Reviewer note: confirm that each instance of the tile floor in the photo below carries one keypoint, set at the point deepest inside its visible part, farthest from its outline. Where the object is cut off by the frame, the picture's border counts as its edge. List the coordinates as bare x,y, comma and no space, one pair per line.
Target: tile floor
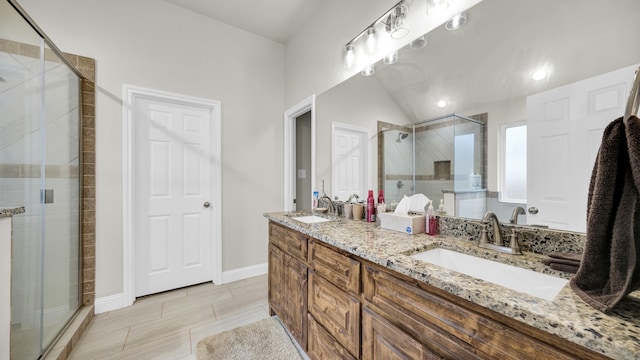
169,325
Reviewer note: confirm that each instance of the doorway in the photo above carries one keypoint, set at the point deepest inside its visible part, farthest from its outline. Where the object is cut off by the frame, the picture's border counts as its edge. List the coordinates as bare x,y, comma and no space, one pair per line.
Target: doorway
173,189
303,162
351,155
300,116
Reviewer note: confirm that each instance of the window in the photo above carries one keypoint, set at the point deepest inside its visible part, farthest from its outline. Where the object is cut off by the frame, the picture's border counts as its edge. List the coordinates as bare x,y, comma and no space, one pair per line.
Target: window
513,184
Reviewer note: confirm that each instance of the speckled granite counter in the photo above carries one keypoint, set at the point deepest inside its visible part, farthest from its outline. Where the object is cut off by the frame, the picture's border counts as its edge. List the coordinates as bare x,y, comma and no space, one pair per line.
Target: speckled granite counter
616,335
9,212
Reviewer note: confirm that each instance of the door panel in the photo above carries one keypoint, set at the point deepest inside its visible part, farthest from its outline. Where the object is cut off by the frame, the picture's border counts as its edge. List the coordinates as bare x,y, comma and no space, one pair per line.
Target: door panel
350,162
173,171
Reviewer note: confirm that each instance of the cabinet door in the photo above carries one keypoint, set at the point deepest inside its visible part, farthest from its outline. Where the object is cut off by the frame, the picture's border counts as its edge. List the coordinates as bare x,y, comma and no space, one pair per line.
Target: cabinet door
295,300
322,346
383,341
276,281
337,311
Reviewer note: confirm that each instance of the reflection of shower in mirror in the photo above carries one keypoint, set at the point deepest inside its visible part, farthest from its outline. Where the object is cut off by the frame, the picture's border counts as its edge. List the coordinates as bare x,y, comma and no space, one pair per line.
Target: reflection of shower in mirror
401,136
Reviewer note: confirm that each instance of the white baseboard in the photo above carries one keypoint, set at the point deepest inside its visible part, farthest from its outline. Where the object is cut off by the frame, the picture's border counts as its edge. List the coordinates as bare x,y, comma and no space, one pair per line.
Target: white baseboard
244,273
117,301
109,303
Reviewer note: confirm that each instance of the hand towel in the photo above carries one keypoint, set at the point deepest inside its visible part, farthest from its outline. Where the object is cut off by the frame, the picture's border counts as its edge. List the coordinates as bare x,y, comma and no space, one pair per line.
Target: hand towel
565,262
608,270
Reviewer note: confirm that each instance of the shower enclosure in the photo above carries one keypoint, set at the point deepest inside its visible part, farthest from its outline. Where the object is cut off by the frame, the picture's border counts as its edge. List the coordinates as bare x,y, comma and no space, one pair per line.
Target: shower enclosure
435,157
40,170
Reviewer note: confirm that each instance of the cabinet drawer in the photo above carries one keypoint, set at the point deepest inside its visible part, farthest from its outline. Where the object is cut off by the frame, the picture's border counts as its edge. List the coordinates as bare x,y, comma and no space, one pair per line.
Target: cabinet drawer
290,241
337,311
447,328
340,270
381,340
322,345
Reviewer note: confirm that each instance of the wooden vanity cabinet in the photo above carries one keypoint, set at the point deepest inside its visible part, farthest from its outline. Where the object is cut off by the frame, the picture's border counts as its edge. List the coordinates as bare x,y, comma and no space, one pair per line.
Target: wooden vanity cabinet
288,280
339,306
448,326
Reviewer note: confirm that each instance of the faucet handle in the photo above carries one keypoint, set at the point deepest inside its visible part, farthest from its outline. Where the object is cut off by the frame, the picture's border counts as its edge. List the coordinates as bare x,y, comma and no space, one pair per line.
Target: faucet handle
484,235
514,244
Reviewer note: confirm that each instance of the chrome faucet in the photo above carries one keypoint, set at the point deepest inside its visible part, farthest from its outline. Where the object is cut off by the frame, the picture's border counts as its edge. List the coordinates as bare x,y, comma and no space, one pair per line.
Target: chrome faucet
332,208
514,217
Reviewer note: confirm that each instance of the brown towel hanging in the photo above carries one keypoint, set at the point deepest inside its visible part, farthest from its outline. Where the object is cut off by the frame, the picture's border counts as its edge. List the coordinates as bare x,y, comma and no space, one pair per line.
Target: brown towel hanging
609,270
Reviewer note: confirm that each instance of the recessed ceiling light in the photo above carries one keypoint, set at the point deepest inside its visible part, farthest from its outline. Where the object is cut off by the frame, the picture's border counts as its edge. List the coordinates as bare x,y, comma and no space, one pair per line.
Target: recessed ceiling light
539,74
442,103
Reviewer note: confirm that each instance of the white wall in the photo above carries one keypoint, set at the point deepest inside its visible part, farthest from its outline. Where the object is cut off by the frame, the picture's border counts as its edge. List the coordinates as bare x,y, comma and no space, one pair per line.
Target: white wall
157,45
360,102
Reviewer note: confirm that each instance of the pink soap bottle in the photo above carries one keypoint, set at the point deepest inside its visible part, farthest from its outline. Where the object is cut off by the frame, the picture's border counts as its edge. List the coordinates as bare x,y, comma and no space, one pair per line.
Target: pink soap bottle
371,207
431,223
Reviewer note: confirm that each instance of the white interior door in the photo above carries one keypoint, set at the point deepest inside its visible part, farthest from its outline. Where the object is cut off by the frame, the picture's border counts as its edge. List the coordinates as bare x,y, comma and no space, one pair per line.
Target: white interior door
350,159
565,128
174,155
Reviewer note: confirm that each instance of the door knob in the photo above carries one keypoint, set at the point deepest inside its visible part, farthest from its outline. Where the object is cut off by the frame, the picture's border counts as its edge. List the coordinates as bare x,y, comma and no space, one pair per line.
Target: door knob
207,204
533,210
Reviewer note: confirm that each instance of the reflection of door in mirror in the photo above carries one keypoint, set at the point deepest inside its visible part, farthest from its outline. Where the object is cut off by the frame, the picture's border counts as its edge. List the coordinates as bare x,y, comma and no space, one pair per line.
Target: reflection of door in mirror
565,131
350,161
303,161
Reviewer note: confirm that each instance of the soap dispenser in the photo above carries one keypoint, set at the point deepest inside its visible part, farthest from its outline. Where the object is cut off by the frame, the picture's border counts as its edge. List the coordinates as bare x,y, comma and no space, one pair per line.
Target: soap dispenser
431,221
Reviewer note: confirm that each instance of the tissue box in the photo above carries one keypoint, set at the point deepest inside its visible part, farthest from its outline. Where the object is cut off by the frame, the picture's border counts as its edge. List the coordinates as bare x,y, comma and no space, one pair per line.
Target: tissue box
409,224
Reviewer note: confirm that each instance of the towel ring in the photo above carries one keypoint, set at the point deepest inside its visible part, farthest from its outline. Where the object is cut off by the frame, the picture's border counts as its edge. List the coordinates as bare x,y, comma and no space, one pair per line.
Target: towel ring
634,99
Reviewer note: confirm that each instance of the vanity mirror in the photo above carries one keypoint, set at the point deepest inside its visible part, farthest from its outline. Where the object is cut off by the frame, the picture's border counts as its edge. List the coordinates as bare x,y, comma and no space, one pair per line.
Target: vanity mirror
487,67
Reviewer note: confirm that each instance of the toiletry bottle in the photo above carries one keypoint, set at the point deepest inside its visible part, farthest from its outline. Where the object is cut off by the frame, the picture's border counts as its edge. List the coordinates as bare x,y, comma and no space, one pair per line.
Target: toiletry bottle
371,208
380,196
441,206
315,200
431,221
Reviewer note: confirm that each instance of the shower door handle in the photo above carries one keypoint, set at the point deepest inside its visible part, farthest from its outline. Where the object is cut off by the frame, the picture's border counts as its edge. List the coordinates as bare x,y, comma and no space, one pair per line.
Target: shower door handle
46,196
206,204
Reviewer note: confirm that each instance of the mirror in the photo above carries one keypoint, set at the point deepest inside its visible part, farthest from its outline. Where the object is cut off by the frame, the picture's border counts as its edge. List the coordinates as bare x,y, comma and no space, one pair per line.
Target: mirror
486,67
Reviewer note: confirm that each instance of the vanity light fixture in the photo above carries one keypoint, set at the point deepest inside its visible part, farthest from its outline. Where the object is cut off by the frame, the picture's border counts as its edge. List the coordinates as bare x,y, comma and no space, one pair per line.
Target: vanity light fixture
369,70
457,21
391,58
349,56
418,43
435,7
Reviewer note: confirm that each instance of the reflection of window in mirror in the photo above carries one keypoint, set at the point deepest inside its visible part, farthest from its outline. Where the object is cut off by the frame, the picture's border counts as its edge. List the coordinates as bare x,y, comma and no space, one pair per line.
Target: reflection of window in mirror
513,184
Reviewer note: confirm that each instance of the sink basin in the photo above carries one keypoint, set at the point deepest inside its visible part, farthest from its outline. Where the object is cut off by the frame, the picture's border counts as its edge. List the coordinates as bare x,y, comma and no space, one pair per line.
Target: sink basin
310,219
523,280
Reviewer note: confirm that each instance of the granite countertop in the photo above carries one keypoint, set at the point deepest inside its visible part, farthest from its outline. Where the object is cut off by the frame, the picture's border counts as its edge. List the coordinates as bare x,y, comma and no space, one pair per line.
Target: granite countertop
9,212
616,334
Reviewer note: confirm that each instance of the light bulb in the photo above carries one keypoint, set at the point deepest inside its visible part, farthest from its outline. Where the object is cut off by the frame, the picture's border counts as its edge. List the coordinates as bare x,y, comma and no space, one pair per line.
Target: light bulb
349,56
372,43
442,103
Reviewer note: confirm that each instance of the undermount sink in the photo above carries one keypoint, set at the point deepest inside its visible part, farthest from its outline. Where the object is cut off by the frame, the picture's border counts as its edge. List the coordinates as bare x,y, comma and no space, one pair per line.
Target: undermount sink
311,219
523,280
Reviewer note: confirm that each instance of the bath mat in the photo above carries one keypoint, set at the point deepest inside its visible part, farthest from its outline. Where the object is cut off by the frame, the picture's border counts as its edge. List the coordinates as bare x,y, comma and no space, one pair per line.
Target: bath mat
264,339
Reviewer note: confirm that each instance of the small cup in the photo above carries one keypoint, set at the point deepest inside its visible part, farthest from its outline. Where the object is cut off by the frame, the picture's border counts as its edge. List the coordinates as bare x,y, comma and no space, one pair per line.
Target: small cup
358,211
348,211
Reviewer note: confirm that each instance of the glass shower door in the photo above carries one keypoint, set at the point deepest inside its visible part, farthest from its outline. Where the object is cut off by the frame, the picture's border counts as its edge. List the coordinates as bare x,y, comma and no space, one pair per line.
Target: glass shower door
39,169
61,278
